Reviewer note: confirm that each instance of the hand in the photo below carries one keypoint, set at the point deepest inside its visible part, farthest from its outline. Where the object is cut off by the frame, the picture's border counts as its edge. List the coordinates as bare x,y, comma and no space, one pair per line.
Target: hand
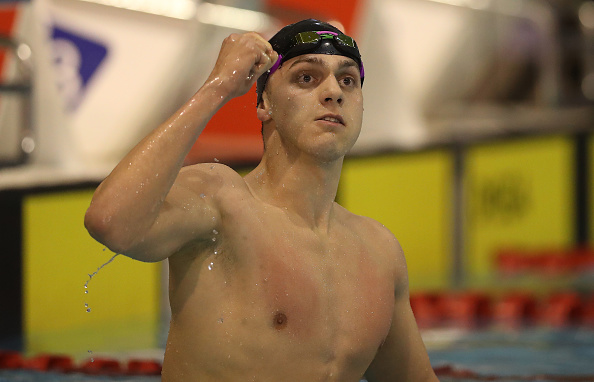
242,59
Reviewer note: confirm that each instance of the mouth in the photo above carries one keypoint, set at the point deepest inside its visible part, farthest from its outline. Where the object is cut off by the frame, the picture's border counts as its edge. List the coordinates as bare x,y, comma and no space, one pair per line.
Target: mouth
332,118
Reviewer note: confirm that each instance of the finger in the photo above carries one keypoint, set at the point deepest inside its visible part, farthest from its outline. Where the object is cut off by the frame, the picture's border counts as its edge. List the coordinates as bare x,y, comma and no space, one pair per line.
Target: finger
266,47
264,63
273,57
264,60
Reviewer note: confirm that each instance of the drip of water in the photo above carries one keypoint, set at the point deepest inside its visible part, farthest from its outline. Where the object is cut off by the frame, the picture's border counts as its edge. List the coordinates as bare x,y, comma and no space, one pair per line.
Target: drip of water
91,275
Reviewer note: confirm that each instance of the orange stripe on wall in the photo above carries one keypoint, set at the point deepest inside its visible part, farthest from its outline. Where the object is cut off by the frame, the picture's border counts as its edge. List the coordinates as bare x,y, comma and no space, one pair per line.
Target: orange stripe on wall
290,11
232,135
7,17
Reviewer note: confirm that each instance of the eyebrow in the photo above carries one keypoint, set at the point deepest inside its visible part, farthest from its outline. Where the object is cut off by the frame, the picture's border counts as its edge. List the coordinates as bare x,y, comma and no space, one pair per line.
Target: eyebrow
317,61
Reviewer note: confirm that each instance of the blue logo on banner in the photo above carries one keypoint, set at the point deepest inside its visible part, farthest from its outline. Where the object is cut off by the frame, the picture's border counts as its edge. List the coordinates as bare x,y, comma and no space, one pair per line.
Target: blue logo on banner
76,60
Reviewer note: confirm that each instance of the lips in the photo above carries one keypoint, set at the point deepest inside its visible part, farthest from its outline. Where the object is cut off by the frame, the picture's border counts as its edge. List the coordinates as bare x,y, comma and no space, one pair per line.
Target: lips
332,118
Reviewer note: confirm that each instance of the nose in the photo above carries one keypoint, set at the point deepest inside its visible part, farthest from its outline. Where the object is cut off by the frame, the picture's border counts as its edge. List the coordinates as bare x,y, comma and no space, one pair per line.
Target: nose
331,91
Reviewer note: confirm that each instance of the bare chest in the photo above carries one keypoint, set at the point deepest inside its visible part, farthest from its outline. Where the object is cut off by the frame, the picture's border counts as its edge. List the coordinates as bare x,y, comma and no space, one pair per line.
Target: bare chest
308,288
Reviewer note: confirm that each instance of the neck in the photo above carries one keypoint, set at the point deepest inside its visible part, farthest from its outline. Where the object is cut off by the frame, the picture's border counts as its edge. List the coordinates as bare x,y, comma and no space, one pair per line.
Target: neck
301,185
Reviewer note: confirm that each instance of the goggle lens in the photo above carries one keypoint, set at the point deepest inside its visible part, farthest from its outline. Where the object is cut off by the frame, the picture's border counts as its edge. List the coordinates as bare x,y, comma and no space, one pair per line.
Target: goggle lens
306,38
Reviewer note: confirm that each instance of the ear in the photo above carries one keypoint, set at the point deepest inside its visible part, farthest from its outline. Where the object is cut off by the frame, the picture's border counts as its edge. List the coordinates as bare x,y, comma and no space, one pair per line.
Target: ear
264,111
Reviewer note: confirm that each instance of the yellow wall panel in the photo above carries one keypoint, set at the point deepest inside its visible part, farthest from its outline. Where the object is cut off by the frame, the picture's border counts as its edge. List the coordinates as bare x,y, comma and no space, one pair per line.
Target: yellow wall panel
519,194
59,255
411,195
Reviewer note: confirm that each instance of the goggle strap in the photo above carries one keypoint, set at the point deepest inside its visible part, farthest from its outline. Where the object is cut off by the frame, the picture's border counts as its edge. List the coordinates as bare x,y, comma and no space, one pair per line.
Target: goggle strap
276,64
327,32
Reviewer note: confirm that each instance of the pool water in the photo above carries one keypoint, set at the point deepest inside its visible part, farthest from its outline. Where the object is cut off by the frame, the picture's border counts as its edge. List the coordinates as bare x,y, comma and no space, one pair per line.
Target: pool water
534,354
531,354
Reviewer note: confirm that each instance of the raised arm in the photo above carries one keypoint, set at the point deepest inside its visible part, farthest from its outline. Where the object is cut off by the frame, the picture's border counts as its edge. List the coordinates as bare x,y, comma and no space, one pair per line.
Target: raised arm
146,208
402,356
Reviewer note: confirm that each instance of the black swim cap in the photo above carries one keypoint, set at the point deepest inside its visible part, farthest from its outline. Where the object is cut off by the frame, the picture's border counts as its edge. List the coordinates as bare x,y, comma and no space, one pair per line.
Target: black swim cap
283,41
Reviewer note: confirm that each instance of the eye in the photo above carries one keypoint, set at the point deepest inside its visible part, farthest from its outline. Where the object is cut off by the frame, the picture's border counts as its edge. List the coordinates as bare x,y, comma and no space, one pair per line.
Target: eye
305,78
349,81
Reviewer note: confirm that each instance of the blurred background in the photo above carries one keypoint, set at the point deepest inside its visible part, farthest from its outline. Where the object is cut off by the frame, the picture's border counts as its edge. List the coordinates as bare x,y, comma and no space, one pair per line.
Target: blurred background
476,149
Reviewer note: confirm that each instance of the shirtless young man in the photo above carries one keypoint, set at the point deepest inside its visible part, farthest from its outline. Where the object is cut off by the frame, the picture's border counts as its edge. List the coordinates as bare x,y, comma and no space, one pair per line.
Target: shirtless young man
270,279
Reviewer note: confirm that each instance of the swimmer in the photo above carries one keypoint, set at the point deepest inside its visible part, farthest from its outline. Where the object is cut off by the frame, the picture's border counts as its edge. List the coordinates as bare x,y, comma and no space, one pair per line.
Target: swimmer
270,279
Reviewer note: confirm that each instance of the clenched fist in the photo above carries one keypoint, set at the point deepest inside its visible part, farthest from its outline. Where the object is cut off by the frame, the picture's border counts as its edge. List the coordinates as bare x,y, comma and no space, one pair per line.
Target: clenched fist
242,59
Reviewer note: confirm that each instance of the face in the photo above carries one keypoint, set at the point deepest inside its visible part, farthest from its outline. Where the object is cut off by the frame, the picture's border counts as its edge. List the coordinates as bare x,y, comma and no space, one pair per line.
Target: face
315,103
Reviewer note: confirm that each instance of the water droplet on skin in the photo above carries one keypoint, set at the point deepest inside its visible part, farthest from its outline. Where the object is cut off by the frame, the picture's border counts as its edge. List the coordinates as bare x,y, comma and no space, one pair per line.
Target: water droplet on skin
212,167
202,196
88,310
216,160
210,266
215,231
214,239
220,320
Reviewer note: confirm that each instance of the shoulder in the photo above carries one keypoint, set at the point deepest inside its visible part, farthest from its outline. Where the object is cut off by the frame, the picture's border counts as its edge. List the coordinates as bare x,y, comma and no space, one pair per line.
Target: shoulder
213,184
216,174
210,179
379,239
371,229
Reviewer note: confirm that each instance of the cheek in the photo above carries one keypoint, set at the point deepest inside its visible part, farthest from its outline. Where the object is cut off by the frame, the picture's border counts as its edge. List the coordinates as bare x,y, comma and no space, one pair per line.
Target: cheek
289,108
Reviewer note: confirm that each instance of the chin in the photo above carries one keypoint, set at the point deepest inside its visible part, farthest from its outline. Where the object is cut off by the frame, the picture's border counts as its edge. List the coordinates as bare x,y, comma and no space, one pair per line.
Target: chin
328,154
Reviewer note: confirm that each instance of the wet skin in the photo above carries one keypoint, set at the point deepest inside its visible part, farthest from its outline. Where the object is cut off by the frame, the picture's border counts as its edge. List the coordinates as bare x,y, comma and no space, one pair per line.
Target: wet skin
270,279
278,301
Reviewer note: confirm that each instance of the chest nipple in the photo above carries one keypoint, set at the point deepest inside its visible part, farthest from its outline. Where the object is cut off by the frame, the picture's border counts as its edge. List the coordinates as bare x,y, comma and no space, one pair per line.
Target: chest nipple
279,321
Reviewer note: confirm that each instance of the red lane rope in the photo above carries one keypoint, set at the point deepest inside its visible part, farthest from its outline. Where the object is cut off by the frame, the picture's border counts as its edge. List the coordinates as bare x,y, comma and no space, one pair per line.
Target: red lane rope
12,360
514,309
